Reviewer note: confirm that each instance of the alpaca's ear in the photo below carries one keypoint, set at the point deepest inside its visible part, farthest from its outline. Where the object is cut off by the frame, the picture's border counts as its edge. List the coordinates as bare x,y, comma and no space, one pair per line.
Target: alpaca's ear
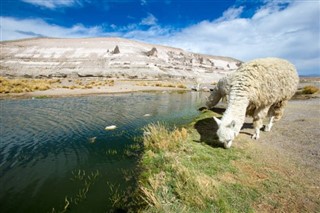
232,124
217,121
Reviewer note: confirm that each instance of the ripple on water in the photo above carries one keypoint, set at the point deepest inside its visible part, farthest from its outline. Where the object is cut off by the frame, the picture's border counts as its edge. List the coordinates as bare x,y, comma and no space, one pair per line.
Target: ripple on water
43,141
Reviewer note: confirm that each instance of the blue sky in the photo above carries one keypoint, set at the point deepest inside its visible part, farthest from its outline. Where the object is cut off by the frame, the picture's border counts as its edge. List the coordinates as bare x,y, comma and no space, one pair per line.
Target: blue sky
243,29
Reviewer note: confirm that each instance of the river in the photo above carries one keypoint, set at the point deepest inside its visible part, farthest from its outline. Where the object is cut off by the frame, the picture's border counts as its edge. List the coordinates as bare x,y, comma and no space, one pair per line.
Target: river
56,152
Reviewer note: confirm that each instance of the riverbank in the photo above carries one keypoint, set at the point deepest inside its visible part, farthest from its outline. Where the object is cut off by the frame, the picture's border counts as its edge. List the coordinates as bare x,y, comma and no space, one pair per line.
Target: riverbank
66,87
186,169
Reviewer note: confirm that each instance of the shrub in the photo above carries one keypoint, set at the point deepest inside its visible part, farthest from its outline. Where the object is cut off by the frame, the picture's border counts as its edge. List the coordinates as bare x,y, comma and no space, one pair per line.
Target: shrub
310,89
181,86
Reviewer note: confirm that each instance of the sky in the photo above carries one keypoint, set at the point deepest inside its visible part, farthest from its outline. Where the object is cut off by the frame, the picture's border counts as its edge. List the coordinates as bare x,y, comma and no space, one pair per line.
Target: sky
242,29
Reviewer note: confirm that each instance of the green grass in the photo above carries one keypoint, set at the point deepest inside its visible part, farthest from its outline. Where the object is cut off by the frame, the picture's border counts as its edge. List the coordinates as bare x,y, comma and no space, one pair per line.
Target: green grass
186,170
183,174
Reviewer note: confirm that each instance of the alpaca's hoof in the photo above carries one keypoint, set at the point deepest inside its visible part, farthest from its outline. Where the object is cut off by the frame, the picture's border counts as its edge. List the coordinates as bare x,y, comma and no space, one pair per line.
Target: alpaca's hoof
255,137
267,128
227,145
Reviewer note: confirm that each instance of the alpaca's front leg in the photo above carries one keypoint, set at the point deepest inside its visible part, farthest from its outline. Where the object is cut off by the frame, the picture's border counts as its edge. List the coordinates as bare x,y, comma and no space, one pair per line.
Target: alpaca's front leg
258,117
257,124
256,134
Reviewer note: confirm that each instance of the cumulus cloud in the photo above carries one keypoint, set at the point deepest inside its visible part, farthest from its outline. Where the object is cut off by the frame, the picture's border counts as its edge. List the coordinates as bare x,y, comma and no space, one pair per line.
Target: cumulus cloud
52,4
290,32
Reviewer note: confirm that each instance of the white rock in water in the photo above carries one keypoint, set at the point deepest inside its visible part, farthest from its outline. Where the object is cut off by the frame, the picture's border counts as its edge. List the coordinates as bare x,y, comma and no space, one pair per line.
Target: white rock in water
111,127
147,115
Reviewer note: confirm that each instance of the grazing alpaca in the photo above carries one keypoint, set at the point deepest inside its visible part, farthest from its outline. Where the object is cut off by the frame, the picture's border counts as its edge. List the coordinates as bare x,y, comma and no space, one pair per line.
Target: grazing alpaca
219,92
258,88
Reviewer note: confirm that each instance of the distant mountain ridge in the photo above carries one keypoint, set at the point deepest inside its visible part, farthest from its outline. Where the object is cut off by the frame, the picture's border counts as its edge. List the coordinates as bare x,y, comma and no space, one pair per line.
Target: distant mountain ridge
108,57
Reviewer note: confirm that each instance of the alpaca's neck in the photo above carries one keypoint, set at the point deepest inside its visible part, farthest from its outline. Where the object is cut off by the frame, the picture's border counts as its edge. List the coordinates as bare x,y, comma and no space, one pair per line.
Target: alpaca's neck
236,111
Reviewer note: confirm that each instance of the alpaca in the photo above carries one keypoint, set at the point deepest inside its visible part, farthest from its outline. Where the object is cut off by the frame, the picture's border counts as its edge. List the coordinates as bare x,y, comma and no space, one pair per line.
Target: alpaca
221,91
258,88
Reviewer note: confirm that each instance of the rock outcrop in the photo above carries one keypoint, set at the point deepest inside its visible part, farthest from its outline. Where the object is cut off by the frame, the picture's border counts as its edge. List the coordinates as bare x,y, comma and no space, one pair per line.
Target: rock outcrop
50,57
152,52
116,50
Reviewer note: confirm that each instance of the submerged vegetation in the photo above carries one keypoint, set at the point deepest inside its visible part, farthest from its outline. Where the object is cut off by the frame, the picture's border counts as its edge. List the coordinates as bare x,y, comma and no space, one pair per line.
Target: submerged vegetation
84,180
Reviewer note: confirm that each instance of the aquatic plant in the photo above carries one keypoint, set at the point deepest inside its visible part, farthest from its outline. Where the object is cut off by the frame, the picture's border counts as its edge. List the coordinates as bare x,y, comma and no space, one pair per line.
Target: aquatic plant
86,180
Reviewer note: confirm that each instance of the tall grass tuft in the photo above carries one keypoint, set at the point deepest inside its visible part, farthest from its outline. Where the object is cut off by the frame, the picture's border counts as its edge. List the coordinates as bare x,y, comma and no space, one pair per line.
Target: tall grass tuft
157,137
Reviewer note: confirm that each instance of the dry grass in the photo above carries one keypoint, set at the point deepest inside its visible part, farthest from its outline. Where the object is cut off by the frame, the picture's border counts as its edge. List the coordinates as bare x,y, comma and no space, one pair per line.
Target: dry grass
162,84
24,85
158,137
310,90
29,85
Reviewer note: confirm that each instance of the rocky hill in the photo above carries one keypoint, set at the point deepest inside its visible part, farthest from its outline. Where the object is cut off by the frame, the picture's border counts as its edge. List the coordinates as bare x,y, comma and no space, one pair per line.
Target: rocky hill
108,57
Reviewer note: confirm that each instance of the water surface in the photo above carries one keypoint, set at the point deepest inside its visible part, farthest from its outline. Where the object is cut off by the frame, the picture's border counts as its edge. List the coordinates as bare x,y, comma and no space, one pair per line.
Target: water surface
55,151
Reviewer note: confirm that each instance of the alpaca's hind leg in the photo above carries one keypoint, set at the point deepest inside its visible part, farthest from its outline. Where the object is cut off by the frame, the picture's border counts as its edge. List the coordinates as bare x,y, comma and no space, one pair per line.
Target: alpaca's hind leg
275,113
258,117
268,127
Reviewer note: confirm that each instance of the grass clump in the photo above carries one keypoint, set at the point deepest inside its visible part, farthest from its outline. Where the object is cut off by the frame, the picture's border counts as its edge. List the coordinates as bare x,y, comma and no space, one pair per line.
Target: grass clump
24,85
180,175
310,90
162,84
156,137
21,85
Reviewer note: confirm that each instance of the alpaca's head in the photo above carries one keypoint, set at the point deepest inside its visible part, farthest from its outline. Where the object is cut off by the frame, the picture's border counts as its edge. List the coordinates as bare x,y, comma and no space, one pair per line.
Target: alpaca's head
213,99
226,132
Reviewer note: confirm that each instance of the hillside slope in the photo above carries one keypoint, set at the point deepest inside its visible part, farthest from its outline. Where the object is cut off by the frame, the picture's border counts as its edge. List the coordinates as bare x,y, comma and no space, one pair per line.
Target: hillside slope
108,57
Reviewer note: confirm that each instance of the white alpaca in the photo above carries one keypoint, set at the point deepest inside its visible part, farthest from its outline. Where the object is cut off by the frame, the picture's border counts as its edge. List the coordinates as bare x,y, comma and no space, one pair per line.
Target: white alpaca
258,88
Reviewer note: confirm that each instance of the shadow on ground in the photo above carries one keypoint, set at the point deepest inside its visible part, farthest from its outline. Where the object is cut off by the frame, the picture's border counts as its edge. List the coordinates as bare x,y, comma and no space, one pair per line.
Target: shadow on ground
207,129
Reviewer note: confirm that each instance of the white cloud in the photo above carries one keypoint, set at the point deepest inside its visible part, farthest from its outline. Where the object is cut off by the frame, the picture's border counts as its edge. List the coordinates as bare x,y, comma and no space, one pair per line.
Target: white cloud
12,28
292,32
143,2
52,4
231,13
149,20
